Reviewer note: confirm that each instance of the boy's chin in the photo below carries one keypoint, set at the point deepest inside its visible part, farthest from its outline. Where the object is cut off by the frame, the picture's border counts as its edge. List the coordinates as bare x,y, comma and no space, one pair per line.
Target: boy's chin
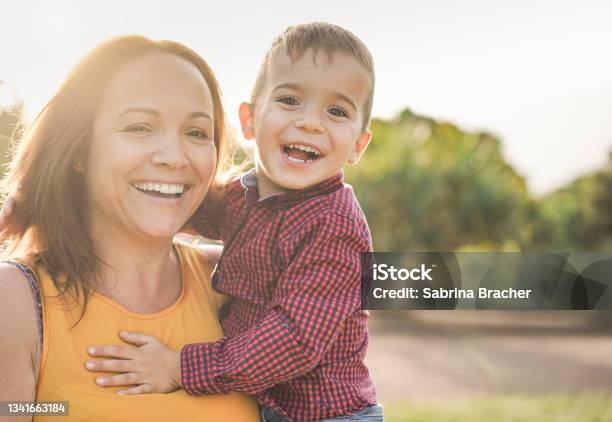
299,183
277,182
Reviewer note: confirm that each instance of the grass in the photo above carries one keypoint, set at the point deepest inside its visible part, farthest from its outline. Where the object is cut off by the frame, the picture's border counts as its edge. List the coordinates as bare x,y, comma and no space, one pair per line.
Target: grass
584,407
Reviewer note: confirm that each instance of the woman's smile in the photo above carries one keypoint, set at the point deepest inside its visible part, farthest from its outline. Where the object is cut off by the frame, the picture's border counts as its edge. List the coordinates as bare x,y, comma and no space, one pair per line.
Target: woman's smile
162,190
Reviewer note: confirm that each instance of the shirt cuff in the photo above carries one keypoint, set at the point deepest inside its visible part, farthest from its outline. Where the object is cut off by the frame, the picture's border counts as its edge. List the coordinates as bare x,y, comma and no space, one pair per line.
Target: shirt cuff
197,370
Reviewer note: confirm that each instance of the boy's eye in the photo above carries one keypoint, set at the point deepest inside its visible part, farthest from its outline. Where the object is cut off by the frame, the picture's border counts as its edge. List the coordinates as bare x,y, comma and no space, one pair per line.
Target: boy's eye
338,112
288,101
198,133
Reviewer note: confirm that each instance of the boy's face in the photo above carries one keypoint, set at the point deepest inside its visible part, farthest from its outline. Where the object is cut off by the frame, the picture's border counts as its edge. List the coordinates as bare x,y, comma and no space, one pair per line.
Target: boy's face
307,121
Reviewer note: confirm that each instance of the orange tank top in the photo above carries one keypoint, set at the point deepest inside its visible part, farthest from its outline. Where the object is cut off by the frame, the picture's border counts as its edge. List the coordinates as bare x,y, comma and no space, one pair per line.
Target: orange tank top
191,319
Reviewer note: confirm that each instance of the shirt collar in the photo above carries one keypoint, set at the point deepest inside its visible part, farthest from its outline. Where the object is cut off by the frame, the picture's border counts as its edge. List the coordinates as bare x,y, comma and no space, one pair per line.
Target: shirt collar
288,199
249,179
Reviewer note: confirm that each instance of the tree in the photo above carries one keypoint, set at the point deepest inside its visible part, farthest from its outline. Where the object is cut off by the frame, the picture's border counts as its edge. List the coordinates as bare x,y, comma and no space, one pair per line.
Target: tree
426,185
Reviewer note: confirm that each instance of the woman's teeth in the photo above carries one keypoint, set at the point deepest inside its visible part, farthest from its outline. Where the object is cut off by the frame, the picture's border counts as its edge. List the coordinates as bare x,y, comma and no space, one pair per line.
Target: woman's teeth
161,188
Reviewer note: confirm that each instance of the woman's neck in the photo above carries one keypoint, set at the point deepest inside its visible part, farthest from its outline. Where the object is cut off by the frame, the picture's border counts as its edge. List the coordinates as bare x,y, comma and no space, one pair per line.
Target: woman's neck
141,274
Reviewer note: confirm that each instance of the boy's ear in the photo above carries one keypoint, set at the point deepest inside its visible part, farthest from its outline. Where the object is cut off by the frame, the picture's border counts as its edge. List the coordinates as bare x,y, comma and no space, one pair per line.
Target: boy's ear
360,146
246,113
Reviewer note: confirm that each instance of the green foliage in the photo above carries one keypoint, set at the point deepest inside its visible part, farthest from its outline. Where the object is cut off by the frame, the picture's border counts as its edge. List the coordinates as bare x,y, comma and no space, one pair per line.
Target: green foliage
578,216
426,185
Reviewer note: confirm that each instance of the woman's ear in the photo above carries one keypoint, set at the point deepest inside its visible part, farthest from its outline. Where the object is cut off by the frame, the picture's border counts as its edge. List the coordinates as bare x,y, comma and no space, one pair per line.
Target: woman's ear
246,112
360,146
78,167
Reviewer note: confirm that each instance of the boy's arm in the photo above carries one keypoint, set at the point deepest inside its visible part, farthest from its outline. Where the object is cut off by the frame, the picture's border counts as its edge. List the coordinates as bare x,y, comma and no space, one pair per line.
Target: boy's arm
317,292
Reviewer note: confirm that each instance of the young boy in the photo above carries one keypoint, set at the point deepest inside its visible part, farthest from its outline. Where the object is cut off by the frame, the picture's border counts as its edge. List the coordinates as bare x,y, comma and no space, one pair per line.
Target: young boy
293,235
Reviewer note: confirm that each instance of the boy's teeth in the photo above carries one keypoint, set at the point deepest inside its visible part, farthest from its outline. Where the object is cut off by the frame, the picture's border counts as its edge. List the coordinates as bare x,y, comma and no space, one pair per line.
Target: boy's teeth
297,160
304,148
160,187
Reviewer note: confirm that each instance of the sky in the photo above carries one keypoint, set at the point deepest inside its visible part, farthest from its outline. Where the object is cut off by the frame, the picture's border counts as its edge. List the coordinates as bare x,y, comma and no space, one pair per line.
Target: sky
538,74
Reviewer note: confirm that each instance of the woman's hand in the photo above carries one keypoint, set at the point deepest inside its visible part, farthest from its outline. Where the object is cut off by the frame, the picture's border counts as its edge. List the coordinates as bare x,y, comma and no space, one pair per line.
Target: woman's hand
151,367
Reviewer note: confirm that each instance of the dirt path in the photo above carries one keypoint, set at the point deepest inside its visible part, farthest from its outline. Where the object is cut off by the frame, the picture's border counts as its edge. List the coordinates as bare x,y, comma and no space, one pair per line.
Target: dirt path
440,359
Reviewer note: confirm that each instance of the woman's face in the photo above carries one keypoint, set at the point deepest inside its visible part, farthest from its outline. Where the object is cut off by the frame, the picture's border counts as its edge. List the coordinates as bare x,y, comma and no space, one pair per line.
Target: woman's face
152,155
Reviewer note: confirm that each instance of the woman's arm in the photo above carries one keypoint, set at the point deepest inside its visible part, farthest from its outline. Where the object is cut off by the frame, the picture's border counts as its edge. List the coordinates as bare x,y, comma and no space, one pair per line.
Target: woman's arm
18,339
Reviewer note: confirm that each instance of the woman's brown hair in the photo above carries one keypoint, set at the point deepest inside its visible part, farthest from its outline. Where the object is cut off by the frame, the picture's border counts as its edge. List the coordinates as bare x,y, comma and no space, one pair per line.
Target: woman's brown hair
49,222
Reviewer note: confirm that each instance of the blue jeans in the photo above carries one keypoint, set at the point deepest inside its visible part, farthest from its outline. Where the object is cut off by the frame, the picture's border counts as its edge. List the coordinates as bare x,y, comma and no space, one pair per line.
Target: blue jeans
369,414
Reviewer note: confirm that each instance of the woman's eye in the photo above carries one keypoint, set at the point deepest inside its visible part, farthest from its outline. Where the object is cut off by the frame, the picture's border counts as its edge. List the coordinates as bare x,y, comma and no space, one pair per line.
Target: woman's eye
288,101
198,133
138,129
338,112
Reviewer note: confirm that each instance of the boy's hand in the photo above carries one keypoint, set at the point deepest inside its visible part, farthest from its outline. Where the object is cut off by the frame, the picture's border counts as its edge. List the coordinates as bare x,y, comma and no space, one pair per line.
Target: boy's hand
151,367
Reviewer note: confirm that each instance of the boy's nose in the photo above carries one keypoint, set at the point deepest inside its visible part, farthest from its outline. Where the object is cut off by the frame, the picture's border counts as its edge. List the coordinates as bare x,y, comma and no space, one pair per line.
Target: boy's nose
309,122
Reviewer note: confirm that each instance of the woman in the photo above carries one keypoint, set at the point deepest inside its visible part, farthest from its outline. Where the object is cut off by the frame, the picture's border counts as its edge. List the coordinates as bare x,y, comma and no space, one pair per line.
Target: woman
112,168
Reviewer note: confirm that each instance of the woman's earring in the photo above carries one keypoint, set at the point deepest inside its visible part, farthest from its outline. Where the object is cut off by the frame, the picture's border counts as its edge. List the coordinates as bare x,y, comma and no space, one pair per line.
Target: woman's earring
353,157
78,167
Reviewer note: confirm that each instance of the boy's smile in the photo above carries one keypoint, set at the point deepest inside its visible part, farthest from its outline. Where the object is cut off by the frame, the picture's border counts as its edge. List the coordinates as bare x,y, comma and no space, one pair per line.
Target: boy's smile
308,120
301,153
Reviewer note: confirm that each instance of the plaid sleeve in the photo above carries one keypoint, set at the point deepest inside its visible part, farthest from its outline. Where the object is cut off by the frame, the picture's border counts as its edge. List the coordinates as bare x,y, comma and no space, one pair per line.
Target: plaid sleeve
315,294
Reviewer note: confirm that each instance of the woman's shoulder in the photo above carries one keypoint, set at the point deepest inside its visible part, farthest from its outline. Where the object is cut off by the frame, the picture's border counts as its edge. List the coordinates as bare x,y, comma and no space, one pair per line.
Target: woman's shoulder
15,286
17,297
18,320
196,247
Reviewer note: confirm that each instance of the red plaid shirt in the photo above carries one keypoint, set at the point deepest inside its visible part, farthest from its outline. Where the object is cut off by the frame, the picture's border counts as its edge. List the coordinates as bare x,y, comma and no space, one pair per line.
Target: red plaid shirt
295,334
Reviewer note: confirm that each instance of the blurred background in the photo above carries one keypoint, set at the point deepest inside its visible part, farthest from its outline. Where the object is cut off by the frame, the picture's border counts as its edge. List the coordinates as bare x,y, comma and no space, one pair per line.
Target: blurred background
492,132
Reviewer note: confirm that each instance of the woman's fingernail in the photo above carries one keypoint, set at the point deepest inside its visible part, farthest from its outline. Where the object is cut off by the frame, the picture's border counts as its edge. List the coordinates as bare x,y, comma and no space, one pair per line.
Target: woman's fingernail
91,351
100,381
89,365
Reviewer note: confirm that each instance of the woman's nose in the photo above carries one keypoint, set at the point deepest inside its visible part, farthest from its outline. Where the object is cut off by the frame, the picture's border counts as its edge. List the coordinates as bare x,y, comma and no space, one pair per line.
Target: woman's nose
170,153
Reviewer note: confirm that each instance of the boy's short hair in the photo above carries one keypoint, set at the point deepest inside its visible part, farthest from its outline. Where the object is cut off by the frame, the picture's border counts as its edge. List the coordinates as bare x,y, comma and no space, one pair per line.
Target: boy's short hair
297,40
